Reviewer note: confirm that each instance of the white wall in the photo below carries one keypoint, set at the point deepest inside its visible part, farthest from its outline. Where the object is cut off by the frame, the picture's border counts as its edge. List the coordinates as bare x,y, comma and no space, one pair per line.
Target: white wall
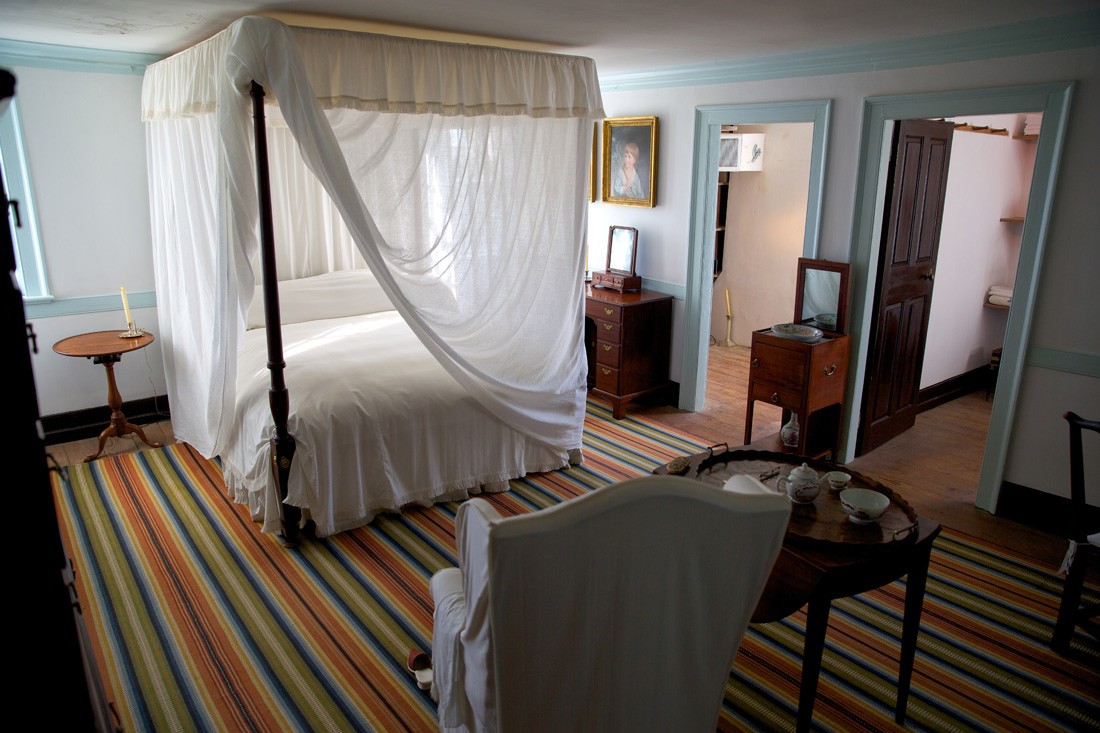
988,177
85,145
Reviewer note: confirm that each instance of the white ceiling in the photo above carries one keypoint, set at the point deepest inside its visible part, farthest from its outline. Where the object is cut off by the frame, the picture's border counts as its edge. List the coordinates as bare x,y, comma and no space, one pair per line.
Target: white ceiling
620,36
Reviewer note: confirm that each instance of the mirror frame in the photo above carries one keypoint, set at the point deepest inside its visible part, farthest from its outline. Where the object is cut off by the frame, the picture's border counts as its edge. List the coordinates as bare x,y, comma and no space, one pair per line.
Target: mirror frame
611,249
845,292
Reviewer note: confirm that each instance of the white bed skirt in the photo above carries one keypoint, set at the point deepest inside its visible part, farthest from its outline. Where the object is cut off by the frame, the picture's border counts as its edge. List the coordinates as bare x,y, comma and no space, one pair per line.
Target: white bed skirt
378,426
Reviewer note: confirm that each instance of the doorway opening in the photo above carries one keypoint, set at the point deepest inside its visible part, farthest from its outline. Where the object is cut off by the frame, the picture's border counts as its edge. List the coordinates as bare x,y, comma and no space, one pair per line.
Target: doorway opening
700,303
1051,100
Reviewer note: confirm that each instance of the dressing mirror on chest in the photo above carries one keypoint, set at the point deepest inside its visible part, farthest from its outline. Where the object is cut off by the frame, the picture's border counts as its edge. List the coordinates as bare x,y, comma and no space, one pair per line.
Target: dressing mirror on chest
822,295
622,256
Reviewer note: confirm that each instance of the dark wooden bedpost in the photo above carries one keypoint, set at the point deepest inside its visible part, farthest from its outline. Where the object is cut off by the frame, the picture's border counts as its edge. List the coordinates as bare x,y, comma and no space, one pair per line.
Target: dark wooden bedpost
282,445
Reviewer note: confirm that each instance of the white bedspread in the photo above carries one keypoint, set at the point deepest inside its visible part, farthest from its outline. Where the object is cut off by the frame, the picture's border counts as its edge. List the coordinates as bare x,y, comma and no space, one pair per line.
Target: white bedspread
378,425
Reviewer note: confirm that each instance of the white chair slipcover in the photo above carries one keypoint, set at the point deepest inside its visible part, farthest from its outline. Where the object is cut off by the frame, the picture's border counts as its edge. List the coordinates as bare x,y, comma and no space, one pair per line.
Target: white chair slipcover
621,610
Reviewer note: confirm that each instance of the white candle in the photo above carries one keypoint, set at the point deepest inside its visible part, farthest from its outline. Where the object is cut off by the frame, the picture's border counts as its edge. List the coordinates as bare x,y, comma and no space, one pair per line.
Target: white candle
727,302
125,306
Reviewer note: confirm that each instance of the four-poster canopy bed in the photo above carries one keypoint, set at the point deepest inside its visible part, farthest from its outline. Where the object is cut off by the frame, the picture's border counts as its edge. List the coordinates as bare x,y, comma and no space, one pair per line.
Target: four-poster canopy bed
416,211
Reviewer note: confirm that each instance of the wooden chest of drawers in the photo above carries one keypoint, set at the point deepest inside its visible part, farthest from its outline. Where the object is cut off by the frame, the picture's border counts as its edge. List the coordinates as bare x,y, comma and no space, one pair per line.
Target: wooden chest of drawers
806,378
627,338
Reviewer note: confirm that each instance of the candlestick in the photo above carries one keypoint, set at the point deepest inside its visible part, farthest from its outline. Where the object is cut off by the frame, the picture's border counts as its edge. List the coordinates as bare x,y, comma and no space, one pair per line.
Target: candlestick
727,302
729,331
126,308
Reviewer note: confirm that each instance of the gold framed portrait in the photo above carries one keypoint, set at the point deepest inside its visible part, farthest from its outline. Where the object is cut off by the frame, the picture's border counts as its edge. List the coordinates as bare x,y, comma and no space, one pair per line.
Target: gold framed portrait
630,161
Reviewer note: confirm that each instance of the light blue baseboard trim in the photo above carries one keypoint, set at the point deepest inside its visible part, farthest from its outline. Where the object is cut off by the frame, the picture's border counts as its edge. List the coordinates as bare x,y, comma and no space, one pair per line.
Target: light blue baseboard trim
90,304
71,58
660,286
1072,362
1076,30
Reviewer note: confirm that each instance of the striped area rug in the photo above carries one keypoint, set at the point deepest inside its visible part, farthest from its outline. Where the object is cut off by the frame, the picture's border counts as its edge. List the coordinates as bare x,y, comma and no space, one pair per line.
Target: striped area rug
199,622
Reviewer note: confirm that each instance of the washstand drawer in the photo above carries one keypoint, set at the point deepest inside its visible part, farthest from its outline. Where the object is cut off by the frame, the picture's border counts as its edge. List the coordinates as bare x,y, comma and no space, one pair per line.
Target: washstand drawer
784,368
784,396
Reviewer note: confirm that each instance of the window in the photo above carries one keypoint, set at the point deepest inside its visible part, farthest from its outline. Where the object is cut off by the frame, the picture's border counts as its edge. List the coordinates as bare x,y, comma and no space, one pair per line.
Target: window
29,267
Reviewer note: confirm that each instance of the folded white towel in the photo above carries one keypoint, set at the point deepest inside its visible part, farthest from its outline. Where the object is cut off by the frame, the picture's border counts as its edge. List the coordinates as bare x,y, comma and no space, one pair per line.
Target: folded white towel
1000,300
743,483
1005,290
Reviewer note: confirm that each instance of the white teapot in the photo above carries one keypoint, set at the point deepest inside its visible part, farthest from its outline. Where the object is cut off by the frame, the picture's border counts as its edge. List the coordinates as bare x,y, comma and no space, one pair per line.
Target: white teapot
802,485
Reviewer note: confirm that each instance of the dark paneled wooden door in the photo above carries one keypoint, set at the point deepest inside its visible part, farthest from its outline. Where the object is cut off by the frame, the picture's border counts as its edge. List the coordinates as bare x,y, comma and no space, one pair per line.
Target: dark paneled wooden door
906,273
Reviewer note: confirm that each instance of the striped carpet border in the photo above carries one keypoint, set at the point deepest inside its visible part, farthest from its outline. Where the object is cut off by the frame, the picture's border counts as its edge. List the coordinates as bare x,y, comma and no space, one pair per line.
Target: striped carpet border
200,622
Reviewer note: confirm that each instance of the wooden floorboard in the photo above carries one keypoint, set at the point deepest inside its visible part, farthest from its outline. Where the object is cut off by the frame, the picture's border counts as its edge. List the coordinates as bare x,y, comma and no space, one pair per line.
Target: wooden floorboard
935,465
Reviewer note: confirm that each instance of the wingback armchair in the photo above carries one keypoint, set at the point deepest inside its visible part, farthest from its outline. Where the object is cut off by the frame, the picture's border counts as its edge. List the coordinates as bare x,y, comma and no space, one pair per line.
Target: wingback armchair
620,610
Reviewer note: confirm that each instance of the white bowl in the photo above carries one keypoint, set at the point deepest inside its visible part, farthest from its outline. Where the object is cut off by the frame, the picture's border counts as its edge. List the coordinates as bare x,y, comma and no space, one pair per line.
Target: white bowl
837,480
863,505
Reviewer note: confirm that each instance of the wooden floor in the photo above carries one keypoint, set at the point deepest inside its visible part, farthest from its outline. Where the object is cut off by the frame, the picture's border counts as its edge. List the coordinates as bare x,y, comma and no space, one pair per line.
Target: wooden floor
66,454
934,465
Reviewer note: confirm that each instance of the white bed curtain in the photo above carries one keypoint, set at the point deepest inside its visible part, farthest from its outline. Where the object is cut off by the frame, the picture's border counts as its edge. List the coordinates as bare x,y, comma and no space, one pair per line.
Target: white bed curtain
457,174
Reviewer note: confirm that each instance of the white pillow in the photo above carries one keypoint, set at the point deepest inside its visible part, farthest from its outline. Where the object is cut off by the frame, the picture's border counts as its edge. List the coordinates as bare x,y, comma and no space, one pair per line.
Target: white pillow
331,295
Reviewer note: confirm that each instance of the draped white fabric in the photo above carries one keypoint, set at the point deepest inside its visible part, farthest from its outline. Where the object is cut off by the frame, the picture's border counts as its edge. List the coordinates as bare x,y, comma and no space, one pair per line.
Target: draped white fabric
457,174
619,610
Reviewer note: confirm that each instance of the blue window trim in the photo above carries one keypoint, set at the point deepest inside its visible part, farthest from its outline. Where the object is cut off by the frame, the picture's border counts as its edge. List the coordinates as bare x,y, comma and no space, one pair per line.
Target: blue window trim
30,267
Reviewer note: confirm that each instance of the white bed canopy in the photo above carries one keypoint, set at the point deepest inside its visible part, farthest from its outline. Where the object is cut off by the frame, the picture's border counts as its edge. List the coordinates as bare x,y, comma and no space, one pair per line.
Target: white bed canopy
456,173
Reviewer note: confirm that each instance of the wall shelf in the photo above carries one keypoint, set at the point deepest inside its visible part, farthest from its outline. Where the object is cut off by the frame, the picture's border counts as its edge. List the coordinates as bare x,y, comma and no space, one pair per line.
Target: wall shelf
1013,219
994,306
1026,138
964,127
984,129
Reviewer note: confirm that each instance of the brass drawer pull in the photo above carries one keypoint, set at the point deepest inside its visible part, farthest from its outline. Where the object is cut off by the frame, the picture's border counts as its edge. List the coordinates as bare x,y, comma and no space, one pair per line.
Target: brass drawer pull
755,362
605,371
608,311
607,347
775,397
609,326
829,370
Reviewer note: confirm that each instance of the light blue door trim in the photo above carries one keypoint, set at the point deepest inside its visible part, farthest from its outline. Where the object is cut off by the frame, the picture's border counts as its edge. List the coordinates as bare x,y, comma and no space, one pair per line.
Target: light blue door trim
879,114
704,202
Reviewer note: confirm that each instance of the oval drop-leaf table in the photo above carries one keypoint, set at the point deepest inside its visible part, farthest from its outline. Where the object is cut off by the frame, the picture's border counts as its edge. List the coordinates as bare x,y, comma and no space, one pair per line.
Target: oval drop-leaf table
825,557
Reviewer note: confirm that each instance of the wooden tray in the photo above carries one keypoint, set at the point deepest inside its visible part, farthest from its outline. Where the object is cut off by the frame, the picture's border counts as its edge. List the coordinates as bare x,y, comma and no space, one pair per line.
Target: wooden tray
822,520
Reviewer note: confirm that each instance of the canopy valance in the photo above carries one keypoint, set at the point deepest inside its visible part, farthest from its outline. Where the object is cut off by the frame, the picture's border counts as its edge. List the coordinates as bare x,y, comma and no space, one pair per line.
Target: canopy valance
374,72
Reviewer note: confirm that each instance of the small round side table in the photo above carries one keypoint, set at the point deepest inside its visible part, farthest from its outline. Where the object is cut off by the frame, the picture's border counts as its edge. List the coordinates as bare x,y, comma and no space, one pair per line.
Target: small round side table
107,348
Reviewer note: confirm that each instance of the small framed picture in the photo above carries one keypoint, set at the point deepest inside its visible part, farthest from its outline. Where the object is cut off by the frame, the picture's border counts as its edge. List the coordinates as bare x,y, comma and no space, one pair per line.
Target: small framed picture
630,161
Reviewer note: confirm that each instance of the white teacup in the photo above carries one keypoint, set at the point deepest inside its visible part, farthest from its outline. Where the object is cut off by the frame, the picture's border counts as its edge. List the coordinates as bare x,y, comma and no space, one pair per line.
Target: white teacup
837,480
